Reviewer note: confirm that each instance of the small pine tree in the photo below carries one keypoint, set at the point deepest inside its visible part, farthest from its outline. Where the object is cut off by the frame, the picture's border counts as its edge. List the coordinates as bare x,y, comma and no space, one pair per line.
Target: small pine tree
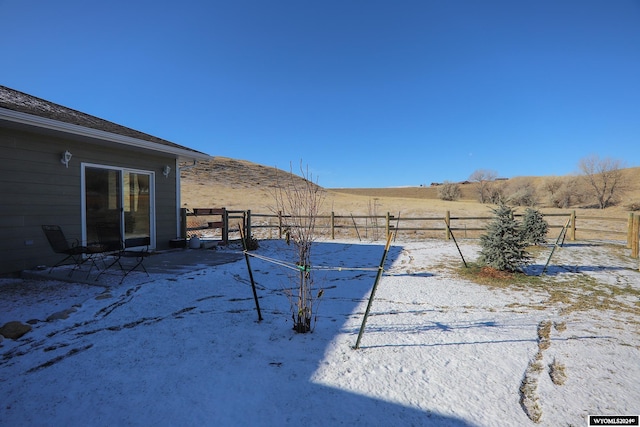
534,227
502,246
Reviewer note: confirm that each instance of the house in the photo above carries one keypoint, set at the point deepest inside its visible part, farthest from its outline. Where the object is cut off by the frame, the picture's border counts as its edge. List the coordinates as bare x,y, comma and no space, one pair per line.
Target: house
64,167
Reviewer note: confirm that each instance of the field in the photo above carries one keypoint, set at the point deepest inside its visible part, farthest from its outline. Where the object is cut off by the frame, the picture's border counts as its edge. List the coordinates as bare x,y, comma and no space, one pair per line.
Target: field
241,185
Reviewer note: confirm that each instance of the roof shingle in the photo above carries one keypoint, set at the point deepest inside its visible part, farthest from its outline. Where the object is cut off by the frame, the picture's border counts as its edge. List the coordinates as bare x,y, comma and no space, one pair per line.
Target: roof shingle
12,99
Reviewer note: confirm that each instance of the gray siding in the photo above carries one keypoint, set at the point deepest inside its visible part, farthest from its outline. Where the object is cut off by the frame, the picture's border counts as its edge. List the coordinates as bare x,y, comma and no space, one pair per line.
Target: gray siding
36,188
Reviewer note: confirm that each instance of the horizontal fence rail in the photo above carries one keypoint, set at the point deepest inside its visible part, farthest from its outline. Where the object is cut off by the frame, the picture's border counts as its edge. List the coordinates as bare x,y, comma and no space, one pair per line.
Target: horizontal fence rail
376,227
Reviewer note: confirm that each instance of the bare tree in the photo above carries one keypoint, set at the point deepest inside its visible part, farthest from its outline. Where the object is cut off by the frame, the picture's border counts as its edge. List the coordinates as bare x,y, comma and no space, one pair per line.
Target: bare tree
299,200
484,178
522,193
604,177
551,185
562,192
496,193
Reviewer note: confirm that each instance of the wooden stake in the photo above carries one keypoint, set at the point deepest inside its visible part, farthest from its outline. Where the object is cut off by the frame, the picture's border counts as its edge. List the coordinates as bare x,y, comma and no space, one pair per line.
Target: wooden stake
630,230
634,241
447,220
450,233
356,227
253,283
562,235
373,291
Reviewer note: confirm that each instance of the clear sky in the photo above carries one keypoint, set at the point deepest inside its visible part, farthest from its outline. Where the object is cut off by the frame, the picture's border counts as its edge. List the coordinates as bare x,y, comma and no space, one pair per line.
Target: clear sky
367,93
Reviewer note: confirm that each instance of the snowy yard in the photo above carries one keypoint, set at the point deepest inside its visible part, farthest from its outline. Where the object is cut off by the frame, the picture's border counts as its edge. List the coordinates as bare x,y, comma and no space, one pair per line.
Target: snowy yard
437,350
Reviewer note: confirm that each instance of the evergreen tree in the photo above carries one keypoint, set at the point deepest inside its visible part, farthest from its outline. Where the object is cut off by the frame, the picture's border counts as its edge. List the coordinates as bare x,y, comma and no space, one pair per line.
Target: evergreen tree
502,246
534,227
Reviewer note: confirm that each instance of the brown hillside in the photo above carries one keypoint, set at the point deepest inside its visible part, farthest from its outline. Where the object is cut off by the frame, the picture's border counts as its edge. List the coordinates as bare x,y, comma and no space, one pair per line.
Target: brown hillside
240,185
231,183
231,173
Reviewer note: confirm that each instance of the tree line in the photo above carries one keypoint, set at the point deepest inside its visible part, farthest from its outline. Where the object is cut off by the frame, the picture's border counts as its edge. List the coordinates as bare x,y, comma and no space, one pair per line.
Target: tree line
601,181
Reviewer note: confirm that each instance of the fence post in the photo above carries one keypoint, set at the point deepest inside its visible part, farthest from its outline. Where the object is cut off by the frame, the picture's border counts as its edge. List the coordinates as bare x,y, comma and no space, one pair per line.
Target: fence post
388,223
636,233
183,223
248,229
573,225
225,226
279,224
447,219
333,226
630,230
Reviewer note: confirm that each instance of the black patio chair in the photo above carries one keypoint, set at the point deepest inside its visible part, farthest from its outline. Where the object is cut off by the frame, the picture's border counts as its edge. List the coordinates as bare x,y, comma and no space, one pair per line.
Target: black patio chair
110,239
71,248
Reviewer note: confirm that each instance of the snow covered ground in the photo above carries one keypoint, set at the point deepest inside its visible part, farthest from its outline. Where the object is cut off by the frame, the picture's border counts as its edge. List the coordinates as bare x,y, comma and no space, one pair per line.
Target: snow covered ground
437,350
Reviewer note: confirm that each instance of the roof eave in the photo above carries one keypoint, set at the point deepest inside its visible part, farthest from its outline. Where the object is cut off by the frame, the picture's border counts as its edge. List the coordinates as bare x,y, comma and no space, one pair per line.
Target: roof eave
55,125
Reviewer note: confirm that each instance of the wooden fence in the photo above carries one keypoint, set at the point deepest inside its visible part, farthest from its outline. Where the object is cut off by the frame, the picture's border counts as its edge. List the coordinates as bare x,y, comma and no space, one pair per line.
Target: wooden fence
368,227
200,219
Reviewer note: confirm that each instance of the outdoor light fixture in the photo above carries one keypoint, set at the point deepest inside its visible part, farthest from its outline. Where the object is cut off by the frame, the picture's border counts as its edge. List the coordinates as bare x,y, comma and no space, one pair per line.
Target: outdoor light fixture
66,157
166,171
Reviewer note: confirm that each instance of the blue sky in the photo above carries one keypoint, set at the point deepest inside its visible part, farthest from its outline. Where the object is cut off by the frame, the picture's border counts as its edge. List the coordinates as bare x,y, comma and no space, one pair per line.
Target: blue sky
366,93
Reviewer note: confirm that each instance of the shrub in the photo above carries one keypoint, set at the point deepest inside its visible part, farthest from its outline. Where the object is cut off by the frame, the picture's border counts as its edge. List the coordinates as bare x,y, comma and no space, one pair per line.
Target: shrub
449,191
523,195
484,178
495,193
557,372
502,245
251,243
534,227
563,193
301,200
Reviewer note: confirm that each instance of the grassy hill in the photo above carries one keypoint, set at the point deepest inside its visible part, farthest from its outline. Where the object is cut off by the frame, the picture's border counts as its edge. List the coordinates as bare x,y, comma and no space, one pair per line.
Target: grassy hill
241,185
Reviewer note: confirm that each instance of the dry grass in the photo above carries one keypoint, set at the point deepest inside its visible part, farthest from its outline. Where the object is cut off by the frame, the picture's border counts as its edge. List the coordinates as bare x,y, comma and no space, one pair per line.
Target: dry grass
560,326
529,399
584,293
567,293
544,335
557,372
576,292
493,278
242,185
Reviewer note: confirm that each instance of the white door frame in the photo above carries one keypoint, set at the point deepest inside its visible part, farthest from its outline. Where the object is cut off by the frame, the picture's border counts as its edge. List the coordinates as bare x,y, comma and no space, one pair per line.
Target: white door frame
122,170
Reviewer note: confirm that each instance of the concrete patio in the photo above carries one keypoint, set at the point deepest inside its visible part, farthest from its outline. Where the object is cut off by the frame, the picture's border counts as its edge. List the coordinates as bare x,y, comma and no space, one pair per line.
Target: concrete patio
162,263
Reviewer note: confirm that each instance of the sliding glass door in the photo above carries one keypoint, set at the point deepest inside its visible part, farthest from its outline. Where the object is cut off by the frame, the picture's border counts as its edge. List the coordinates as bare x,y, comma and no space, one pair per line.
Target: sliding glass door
122,198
